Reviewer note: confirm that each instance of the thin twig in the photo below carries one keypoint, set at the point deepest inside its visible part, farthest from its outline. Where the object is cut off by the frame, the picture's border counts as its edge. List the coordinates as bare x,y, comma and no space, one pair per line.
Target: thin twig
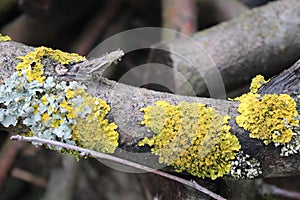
91,153
286,193
29,177
273,190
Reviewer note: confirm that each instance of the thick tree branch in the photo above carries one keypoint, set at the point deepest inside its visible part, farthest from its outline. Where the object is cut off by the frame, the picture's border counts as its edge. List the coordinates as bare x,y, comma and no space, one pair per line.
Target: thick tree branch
262,41
125,102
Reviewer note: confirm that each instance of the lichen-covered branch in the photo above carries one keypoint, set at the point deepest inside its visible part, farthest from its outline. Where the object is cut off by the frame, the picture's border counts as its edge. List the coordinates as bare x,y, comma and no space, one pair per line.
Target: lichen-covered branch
106,115
261,41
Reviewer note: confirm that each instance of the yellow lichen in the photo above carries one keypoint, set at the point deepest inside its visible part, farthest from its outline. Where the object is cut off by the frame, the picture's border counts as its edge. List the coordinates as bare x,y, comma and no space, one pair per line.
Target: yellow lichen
44,99
65,105
65,111
256,83
69,93
94,131
266,118
4,38
31,63
56,123
191,137
45,117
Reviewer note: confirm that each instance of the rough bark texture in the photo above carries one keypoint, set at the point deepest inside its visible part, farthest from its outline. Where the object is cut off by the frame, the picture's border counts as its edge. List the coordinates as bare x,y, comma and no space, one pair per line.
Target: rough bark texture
262,41
125,102
287,82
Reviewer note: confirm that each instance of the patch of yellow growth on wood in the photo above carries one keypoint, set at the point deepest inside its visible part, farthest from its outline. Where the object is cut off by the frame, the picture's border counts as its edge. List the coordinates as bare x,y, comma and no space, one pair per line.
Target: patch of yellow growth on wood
32,67
266,117
4,38
191,137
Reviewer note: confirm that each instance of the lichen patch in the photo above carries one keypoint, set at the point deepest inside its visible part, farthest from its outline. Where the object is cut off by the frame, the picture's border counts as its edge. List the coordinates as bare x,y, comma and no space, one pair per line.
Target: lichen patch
190,137
53,109
4,38
266,117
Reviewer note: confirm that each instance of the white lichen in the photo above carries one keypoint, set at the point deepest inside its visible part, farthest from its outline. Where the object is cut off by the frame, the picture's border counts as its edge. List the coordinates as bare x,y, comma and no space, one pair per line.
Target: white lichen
292,147
244,166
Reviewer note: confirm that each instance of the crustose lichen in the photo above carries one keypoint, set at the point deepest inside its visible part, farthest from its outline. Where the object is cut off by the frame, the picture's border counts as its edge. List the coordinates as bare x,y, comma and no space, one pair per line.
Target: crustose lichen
54,109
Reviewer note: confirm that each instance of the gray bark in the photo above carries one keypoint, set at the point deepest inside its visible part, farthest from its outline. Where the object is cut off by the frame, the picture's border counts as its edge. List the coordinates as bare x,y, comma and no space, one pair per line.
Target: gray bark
265,41
125,102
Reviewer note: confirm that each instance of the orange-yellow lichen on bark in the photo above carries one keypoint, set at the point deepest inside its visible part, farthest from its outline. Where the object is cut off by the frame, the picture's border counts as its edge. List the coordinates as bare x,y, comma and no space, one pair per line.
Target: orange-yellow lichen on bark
256,83
191,137
266,117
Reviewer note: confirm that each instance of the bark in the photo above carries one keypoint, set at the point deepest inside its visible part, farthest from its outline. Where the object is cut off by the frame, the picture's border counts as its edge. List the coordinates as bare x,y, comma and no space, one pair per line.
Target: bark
228,9
125,102
287,82
262,41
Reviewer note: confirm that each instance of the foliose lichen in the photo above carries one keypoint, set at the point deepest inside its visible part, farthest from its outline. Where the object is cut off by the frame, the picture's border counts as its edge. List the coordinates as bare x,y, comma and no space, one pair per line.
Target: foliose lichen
266,117
4,38
54,109
191,137
256,83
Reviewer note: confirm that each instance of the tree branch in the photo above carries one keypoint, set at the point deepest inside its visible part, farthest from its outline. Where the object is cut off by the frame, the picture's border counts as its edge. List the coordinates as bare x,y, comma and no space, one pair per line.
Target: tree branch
126,101
262,41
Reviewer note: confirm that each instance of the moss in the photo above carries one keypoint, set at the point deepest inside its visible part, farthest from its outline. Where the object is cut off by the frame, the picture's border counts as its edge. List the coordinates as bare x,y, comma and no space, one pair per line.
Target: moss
53,109
191,137
265,117
4,38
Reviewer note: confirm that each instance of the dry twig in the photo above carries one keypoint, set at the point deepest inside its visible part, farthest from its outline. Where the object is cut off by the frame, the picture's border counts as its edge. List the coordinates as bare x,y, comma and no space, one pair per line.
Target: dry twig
29,177
90,153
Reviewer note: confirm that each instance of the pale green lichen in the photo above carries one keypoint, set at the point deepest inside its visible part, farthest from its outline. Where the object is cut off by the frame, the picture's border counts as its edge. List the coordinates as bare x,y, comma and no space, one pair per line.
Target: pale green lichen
4,38
266,117
191,137
54,109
